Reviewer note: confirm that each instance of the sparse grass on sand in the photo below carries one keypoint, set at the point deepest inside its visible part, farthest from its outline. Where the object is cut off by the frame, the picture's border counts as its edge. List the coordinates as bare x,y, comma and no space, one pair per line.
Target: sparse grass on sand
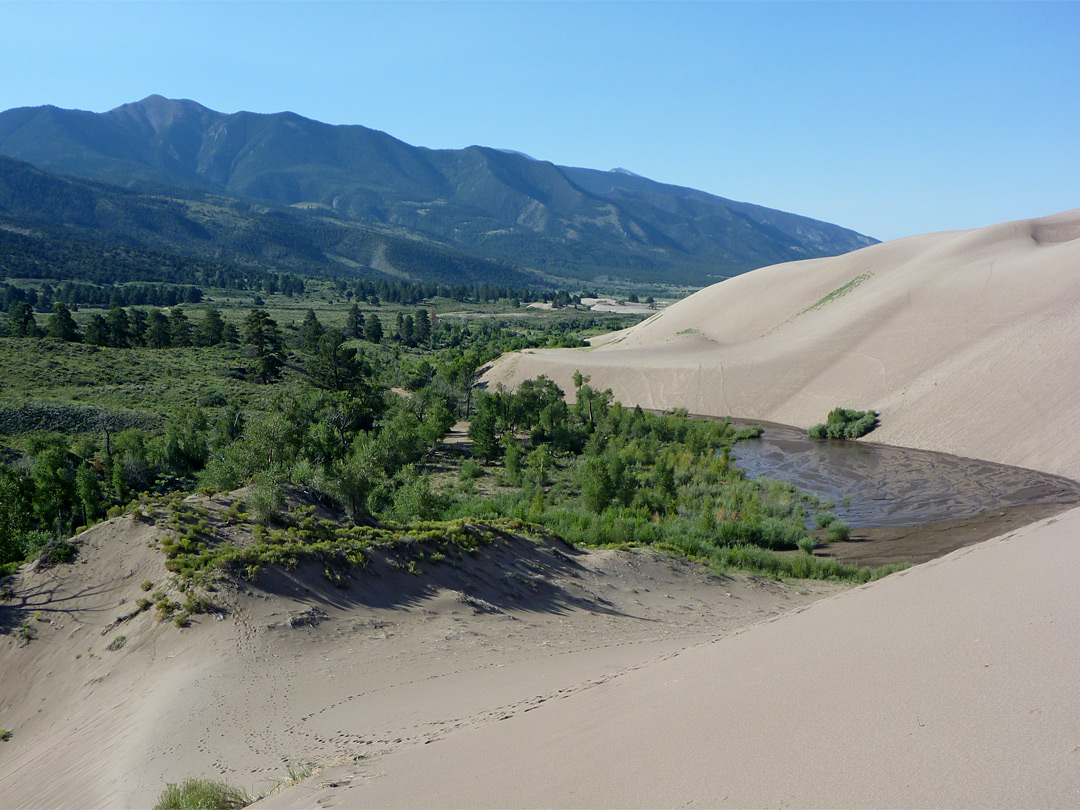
203,794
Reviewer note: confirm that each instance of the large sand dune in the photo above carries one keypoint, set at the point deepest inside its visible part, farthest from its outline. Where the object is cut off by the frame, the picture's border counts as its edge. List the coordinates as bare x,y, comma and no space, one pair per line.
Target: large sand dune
965,342
952,684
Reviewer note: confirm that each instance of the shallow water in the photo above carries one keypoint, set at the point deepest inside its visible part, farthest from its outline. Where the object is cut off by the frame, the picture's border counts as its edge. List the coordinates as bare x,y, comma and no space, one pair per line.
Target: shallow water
895,486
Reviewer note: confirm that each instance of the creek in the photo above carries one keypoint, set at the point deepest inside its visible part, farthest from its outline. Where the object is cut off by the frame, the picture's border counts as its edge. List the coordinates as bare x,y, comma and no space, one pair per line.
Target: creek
880,485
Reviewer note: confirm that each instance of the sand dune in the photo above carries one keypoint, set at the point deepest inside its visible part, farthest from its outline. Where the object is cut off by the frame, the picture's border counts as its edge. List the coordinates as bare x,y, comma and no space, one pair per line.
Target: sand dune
536,676
965,342
952,684
302,671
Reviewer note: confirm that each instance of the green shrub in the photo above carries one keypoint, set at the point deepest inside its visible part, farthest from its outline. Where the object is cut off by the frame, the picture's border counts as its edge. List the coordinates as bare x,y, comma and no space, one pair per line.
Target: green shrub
470,470
414,500
5,735
267,499
844,423
838,531
748,432
806,545
203,794
824,519
57,551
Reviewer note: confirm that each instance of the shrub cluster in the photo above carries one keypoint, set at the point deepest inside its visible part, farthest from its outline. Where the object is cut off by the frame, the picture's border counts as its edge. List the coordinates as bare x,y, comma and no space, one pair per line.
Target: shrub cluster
844,423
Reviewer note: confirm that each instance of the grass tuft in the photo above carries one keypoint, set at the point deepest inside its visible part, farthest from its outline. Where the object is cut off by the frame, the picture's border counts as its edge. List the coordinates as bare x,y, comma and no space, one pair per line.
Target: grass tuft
203,794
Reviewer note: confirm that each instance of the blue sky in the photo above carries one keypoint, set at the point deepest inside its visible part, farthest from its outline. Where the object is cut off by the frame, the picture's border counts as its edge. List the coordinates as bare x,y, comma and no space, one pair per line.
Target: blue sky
889,118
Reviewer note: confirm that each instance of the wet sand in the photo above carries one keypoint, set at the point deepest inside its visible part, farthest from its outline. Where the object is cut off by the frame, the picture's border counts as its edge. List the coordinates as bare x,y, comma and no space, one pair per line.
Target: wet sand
882,545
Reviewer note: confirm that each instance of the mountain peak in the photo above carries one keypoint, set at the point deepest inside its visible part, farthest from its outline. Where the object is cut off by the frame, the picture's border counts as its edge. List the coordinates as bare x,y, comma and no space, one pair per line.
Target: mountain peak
159,112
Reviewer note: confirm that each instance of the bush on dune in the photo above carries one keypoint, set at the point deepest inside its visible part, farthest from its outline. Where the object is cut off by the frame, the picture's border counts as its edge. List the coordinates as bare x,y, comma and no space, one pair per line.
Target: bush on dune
844,423
202,794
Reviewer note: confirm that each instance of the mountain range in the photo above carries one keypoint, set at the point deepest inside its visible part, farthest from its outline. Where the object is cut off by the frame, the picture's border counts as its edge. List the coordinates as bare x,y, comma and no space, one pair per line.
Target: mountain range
558,224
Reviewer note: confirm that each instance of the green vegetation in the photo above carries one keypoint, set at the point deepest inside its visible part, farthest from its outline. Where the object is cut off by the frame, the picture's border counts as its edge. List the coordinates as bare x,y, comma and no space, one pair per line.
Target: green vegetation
843,423
824,519
839,292
325,210
301,395
296,772
5,735
203,794
838,532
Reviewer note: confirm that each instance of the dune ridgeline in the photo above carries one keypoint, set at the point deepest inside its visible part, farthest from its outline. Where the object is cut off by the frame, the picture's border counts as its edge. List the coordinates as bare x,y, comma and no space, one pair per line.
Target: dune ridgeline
964,342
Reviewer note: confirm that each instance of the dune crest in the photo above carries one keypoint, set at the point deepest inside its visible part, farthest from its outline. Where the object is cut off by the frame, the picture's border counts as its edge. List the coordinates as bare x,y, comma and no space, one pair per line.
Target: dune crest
959,339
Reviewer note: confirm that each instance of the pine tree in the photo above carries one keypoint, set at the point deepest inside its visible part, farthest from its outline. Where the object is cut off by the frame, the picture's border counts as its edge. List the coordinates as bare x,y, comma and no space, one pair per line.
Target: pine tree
334,366
310,331
119,327
61,325
261,334
180,332
354,323
138,327
212,329
97,331
157,330
373,330
422,327
23,323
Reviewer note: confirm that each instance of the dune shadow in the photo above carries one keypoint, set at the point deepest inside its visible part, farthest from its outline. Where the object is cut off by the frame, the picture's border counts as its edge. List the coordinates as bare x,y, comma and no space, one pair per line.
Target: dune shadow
29,594
511,574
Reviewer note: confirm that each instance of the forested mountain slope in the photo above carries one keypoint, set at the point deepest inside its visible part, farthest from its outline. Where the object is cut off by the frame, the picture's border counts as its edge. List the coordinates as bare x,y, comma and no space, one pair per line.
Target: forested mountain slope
574,223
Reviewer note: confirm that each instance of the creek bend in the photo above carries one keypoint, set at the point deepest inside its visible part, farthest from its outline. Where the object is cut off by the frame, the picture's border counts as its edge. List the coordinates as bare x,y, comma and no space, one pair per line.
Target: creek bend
881,485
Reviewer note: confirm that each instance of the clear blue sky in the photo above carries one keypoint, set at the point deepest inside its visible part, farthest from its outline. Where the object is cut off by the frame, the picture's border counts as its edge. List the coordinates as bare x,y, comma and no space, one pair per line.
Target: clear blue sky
891,119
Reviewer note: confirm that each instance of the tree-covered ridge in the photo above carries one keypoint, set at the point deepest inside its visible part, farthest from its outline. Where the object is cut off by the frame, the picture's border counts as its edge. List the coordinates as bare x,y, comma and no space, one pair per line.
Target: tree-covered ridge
65,228
578,224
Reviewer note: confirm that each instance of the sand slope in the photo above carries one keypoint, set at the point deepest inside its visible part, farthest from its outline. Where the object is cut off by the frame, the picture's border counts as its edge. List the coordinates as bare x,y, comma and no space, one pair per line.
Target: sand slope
299,670
952,684
966,342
